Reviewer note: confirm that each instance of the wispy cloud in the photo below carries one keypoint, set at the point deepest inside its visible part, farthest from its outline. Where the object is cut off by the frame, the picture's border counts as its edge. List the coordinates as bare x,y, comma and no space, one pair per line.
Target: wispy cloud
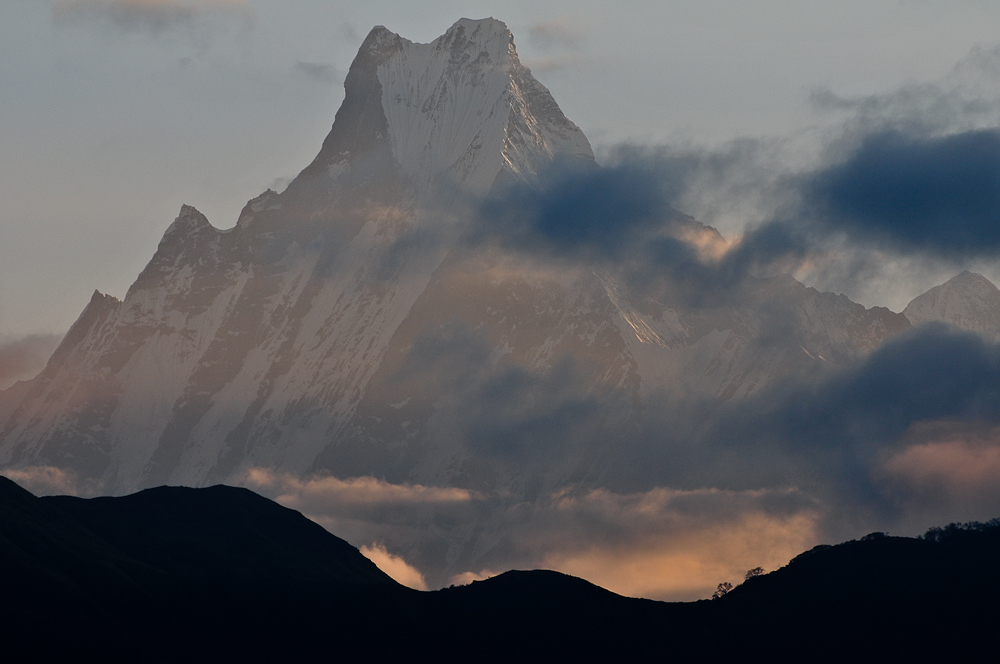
153,17
964,99
558,33
52,481
663,543
358,495
560,40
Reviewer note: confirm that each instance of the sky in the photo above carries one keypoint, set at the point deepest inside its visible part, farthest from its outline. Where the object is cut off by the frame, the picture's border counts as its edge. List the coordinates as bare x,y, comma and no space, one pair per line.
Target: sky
748,115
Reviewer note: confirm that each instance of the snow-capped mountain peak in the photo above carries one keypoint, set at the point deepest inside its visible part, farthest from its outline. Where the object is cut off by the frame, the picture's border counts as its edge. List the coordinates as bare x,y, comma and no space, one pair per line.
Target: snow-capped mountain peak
968,301
456,111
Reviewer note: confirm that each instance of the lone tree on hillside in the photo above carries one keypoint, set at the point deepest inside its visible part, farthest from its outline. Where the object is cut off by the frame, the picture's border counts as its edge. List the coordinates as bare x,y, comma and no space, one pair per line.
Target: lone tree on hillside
756,571
723,588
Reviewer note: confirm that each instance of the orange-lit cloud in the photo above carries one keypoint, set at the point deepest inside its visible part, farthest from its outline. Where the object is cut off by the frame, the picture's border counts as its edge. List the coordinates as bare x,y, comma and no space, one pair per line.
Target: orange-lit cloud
962,467
465,578
945,457
51,481
710,245
950,471
398,526
671,544
663,543
395,566
319,492
687,563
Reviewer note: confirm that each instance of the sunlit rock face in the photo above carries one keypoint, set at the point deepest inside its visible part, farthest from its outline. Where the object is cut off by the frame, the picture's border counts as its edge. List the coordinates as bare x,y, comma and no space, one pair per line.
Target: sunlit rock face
345,327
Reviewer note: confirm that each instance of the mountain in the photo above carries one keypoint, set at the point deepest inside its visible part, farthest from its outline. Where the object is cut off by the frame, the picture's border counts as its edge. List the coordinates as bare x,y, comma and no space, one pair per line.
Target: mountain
351,326
119,575
221,574
968,301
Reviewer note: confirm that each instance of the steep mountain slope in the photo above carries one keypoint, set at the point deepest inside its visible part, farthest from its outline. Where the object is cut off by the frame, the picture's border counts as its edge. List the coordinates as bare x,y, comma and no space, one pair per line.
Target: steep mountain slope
968,301
347,326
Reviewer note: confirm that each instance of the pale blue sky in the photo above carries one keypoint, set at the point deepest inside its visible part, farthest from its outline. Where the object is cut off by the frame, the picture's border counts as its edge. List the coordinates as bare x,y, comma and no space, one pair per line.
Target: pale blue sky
115,112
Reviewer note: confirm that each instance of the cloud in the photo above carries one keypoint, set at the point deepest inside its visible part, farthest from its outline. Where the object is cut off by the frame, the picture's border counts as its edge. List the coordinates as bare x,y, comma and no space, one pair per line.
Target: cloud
24,358
411,521
401,571
961,467
365,497
620,218
663,543
931,372
280,184
322,73
900,185
934,195
946,471
659,543
560,40
497,409
465,578
870,209
686,564
915,171
51,481
153,17
690,497
558,33
964,99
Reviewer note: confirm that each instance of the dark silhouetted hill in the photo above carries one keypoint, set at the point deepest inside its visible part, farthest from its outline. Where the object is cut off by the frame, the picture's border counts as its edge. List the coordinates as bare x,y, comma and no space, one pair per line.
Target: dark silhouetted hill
219,531
222,574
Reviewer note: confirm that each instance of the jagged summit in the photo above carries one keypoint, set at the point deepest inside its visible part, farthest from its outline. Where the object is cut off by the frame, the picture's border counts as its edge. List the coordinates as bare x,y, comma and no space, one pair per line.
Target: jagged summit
968,301
459,110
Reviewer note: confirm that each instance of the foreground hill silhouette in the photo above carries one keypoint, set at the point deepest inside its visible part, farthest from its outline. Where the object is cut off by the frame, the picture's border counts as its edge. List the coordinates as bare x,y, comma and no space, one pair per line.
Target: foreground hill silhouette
223,574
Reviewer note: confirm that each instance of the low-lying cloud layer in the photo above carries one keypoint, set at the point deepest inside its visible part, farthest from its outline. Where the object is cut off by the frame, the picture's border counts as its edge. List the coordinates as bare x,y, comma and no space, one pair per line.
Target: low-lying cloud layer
902,441
660,543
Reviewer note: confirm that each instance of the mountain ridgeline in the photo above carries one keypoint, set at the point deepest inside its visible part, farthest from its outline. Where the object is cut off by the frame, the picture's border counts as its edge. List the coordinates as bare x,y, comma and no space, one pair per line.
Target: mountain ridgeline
222,574
353,326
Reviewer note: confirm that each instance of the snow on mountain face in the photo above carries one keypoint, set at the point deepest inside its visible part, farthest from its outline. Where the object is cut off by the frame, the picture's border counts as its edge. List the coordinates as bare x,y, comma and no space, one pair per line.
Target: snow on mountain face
968,301
464,106
457,111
